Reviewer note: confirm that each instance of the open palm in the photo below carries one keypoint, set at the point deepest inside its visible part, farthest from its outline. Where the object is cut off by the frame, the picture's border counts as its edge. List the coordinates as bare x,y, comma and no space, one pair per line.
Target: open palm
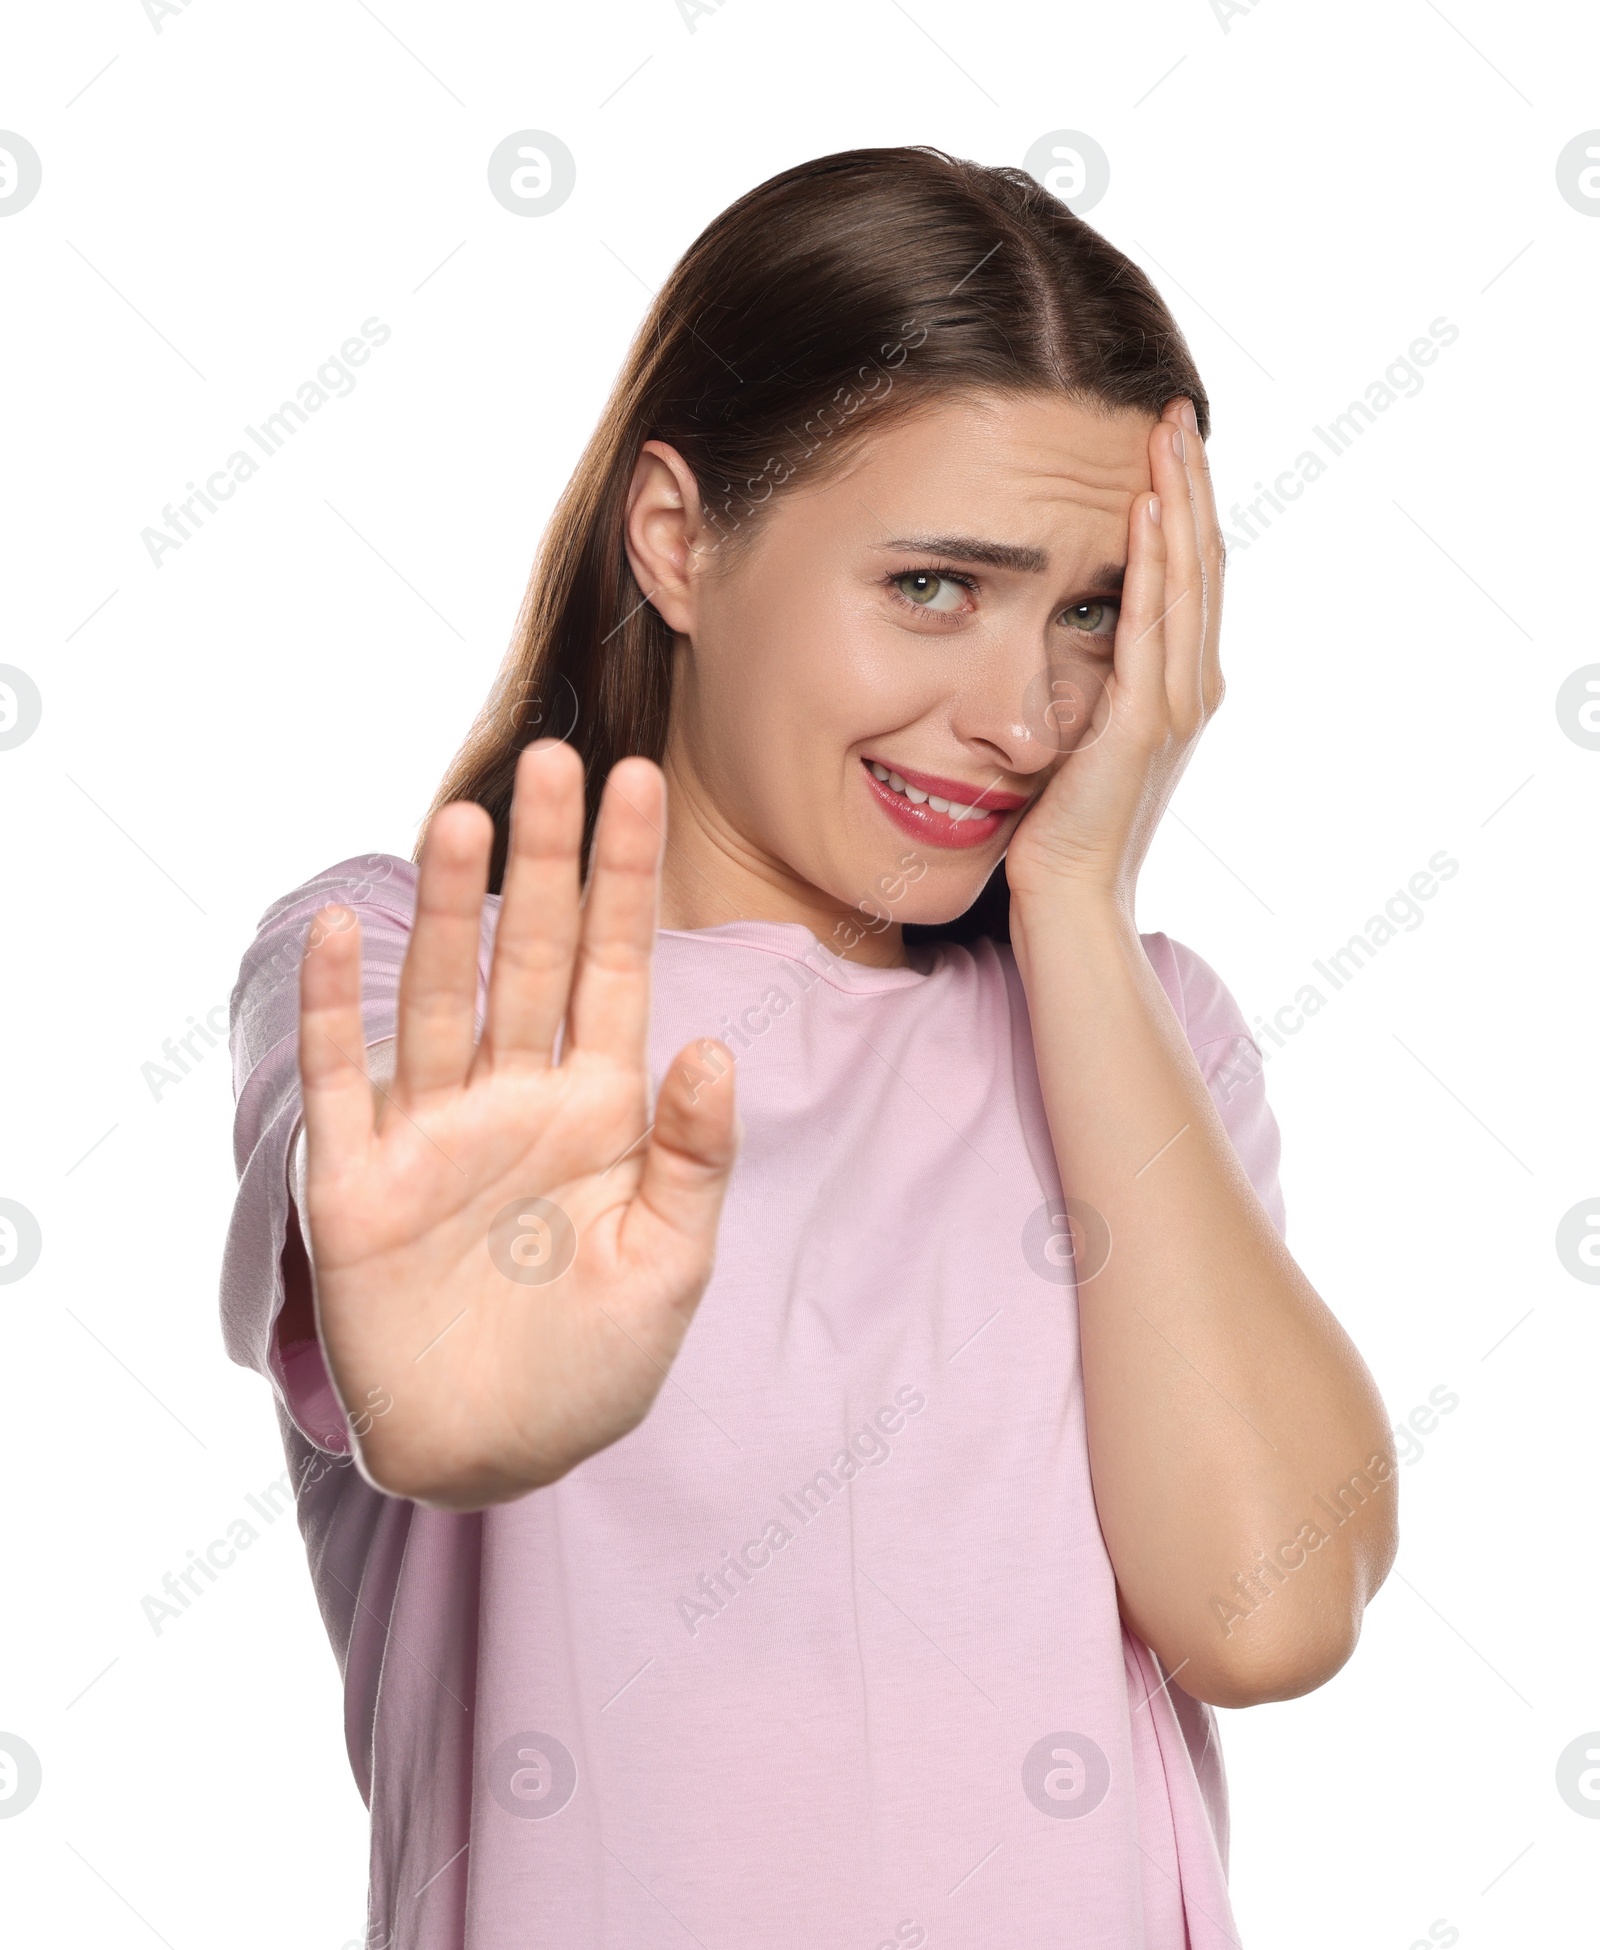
507,1251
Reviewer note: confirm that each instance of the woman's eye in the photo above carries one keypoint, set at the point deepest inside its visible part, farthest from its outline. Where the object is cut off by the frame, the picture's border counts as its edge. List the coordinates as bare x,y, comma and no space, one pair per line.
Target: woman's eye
930,591
1096,619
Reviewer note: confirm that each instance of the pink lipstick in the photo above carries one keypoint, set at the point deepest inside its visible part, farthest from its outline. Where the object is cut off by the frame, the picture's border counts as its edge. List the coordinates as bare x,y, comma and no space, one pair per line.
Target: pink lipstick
942,812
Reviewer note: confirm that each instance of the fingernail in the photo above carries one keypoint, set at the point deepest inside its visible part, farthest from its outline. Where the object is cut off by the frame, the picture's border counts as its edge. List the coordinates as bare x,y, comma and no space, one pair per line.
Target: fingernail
1187,412
1155,509
1177,442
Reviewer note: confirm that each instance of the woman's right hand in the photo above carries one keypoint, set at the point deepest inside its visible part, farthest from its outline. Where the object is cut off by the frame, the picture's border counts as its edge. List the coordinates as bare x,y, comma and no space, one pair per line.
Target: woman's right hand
507,1252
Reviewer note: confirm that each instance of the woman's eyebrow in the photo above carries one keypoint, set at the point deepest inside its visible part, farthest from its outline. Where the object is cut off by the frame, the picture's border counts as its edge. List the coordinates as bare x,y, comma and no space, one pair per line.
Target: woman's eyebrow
970,548
1106,576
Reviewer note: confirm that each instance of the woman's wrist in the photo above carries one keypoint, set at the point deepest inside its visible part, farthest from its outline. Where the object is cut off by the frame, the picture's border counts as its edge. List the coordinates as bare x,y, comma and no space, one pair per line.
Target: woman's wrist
1068,908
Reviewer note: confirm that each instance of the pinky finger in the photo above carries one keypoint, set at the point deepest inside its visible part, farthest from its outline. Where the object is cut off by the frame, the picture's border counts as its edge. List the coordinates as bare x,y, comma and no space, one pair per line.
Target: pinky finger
333,1057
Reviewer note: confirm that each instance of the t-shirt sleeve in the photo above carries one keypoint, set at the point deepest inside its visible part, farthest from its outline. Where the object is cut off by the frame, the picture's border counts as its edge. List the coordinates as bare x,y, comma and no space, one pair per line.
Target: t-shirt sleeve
1230,1060
263,1040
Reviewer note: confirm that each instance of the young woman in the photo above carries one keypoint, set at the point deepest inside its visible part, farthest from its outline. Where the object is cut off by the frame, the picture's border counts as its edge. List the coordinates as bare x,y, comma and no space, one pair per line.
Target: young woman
830,1522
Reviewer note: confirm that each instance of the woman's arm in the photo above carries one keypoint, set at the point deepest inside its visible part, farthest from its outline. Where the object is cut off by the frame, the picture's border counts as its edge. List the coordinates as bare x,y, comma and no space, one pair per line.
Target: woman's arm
1242,1465
1243,1469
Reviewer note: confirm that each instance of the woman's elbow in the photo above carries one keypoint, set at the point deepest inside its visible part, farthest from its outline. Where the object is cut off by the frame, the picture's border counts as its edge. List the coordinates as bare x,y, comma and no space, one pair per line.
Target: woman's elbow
1289,1643
1287,1666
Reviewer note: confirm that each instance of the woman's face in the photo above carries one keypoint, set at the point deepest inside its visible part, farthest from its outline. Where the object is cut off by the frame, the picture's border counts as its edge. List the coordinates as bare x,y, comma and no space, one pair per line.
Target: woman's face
871,691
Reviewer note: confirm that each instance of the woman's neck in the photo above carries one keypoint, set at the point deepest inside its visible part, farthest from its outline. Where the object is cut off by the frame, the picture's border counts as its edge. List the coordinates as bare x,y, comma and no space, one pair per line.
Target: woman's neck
711,875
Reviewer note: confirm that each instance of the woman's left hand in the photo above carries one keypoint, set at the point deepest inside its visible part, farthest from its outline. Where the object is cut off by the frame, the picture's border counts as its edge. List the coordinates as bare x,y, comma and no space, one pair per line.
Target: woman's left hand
1093,823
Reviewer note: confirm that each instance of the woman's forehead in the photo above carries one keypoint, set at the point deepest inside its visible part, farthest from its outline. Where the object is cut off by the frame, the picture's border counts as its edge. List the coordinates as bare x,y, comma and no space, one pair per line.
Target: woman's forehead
956,466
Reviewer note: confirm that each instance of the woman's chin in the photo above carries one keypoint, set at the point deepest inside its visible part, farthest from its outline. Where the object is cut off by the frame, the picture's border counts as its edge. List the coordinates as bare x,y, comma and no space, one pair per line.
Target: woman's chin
934,900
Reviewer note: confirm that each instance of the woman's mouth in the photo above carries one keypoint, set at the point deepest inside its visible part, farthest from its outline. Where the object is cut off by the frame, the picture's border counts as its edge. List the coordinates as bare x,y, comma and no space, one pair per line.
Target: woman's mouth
943,812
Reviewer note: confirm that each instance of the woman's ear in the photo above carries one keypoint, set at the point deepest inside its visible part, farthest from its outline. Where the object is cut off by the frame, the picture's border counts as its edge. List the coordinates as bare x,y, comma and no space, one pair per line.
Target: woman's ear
663,531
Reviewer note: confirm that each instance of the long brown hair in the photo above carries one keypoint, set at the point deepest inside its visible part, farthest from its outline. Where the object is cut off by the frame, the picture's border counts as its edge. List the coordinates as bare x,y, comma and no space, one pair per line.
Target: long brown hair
833,295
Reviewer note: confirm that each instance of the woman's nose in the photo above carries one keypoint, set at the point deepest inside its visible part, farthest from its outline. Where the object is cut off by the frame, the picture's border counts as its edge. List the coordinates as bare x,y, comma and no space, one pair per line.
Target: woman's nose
1034,719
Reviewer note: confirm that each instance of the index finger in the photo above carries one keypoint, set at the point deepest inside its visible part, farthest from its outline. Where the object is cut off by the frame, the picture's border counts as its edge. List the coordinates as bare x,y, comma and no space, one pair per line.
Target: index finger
1213,552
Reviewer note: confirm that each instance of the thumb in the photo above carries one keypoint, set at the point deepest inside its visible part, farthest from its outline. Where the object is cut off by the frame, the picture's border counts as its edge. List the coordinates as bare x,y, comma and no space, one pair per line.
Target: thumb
693,1145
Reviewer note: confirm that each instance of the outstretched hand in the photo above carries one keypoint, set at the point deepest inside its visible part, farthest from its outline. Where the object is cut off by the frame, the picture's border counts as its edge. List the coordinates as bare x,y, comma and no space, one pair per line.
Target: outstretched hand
507,1249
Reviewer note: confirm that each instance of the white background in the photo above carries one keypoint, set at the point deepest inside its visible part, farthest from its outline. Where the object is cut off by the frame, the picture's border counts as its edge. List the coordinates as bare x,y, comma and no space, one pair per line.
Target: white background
224,201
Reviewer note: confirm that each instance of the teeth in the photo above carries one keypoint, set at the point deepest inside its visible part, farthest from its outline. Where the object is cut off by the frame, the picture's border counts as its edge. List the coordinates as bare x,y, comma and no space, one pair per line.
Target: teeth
951,808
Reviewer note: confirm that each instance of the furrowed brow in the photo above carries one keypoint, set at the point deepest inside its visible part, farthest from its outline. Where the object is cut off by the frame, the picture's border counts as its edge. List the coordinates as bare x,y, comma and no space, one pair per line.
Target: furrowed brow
1106,578
971,548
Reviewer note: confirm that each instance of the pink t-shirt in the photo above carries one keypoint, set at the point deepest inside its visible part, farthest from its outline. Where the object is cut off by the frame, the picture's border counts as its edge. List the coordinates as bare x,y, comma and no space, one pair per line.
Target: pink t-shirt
825,1654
